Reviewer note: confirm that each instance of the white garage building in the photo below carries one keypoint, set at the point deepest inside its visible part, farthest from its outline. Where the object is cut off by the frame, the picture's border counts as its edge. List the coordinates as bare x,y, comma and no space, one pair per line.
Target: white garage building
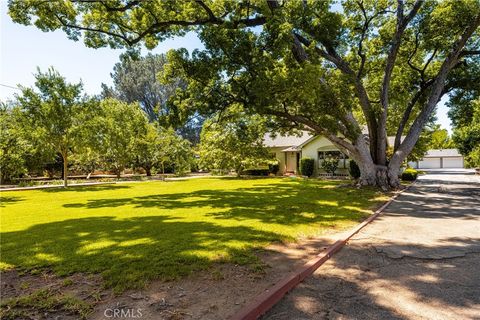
438,159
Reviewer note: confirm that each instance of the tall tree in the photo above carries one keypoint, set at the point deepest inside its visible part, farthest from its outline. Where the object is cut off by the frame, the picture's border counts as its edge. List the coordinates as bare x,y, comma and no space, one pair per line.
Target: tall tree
307,63
52,109
135,79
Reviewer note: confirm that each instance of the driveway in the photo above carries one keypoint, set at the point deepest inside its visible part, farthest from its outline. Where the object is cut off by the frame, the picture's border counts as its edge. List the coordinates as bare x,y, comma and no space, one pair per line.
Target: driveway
419,260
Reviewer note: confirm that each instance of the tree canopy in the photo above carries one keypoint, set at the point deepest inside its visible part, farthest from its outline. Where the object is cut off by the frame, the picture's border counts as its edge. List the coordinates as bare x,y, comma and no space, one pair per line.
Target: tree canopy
333,70
467,136
135,79
52,110
234,142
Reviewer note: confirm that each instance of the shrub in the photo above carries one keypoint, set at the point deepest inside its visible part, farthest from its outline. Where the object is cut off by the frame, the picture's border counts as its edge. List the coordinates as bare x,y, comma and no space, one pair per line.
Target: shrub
274,168
330,165
354,170
409,174
307,166
256,172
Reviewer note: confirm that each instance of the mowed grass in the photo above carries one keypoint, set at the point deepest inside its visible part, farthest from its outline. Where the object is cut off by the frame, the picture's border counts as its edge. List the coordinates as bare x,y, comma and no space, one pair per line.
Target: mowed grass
133,233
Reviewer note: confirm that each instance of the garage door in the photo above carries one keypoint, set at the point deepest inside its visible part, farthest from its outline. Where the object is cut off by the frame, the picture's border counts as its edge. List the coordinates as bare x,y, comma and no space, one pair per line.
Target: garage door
429,163
453,162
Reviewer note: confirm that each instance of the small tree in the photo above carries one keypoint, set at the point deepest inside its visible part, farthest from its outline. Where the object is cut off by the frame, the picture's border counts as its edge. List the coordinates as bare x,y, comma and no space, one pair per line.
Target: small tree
52,112
158,146
181,155
146,148
330,165
116,132
233,143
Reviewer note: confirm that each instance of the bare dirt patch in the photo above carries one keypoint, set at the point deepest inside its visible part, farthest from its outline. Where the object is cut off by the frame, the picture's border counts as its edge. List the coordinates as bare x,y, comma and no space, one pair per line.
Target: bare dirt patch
216,293
43,295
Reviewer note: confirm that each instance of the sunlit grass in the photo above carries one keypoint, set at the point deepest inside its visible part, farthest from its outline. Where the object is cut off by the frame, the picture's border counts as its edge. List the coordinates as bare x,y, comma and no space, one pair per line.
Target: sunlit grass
132,233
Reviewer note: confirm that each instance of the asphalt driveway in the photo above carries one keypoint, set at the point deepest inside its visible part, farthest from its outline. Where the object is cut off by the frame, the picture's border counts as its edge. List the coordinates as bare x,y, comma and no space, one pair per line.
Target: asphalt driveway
419,260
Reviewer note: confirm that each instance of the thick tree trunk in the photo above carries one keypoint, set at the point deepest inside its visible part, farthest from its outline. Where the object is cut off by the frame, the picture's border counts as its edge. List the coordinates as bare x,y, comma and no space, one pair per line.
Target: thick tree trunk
383,177
372,174
65,169
148,170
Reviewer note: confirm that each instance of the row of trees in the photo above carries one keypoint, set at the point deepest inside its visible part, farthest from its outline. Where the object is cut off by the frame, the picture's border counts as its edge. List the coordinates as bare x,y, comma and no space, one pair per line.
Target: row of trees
56,119
308,64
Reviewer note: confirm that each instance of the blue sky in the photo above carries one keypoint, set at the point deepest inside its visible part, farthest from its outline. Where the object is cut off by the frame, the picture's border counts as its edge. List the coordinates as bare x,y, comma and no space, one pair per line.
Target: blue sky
23,48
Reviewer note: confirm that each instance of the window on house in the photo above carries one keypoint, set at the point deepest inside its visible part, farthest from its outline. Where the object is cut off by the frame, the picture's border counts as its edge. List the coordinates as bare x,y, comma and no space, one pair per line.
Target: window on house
342,158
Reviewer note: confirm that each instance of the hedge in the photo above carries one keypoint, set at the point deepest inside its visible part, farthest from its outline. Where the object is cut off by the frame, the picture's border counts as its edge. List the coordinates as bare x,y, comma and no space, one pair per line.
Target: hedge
307,166
409,174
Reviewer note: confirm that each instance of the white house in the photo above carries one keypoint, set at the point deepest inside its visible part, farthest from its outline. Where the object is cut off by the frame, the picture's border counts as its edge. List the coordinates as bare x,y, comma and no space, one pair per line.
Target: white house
291,148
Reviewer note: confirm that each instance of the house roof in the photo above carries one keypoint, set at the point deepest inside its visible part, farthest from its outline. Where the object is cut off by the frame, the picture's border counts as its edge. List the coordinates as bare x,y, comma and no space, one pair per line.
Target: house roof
442,153
279,140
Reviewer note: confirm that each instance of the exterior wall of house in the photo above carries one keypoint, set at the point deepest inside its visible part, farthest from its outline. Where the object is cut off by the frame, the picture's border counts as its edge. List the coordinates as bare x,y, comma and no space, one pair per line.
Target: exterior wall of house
320,143
280,157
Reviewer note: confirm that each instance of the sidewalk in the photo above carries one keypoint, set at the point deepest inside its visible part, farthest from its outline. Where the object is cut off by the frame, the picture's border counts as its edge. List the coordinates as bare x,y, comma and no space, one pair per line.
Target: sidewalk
418,260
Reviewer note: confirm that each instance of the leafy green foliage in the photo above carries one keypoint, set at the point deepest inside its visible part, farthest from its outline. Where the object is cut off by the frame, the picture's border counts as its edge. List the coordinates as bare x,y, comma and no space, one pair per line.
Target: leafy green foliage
353,169
274,167
135,80
115,131
14,147
52,112
467,136
440,139
307,166
409,174
383,65
330,165
234,142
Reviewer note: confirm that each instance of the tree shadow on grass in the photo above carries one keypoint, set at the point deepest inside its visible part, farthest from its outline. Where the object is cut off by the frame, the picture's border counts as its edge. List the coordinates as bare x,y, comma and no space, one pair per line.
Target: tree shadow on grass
166,244
97,187
130,252
4,201
283,203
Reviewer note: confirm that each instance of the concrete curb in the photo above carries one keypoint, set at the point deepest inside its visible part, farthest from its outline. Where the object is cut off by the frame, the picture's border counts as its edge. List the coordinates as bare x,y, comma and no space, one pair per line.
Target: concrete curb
265,301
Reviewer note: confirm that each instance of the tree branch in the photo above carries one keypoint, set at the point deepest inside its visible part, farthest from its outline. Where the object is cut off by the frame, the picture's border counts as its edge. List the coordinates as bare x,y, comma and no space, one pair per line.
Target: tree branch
402,23
437,90
469,53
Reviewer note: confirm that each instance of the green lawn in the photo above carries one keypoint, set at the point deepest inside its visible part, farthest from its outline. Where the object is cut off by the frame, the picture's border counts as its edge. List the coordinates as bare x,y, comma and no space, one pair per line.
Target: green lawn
132,233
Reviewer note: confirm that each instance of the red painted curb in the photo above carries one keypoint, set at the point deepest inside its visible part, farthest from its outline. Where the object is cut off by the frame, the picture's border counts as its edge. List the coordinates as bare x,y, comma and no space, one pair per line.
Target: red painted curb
265,301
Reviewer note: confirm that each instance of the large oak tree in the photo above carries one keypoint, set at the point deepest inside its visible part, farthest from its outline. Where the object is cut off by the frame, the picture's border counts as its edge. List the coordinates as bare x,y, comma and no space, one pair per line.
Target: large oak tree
333,70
